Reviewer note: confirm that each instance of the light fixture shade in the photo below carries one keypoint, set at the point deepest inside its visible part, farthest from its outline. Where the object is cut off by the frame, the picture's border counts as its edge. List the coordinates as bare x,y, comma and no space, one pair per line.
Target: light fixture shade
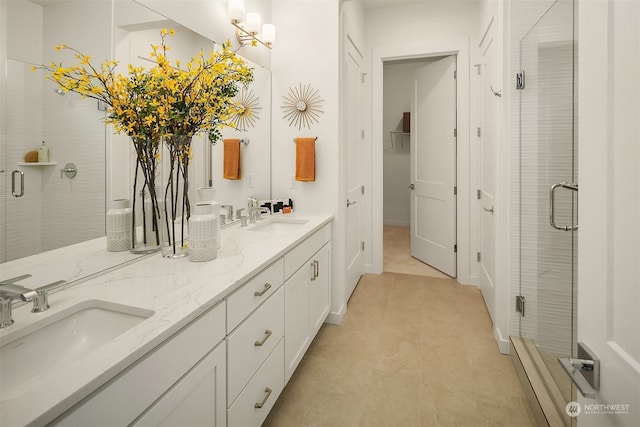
236,11
269,34
253,23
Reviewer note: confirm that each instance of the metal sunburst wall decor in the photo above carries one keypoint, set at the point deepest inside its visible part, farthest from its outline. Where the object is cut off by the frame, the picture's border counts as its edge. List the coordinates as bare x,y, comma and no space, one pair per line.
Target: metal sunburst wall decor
302,106
249,109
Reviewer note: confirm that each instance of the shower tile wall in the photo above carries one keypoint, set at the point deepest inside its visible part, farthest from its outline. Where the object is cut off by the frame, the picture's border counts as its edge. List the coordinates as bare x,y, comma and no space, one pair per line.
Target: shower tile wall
541,128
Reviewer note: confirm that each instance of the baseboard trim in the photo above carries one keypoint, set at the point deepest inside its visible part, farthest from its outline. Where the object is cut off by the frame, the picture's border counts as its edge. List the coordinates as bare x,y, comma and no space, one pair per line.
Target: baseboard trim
503,343
335,318
397,223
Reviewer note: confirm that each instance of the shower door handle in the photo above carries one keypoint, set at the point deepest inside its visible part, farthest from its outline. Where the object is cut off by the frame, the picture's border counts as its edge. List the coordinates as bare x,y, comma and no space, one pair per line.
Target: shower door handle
13,183
552,206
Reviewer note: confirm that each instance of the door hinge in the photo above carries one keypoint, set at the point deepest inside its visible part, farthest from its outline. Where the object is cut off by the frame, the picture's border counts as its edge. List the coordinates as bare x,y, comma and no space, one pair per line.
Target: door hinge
362,245
520,80
361,133
478,256
455,74
455,133
455,249
455,191
520,304
362,75
479,194
478,68
362,189
479,132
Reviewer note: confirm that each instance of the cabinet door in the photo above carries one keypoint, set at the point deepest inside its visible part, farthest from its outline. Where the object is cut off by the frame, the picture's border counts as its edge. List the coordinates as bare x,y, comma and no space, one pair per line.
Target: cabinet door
320,289
296,318
198,399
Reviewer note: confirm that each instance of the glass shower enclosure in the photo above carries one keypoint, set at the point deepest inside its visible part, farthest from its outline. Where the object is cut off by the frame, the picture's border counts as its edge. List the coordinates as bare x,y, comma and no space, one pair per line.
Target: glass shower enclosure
548,194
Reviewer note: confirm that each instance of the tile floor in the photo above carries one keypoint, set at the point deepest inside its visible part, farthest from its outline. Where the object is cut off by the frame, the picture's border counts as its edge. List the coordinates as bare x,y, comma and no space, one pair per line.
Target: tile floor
411,351
397,254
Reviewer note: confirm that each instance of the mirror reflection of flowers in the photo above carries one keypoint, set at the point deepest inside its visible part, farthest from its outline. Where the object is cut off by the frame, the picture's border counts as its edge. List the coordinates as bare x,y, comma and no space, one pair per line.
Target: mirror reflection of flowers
169,101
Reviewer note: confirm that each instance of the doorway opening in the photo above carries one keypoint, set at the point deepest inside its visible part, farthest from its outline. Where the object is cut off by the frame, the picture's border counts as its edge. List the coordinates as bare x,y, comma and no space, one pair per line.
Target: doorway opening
419,175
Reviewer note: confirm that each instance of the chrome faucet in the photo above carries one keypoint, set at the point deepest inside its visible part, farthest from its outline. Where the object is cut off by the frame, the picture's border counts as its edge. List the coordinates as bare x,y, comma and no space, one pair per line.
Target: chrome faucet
255,214
229,209
9,292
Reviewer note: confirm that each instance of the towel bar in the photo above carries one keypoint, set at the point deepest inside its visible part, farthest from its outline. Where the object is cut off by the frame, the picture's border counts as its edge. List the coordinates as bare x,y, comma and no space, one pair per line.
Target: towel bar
294,139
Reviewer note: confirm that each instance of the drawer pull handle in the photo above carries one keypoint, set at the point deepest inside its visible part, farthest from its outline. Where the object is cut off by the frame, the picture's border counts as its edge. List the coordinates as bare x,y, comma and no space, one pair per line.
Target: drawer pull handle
267,391
267,286
267,334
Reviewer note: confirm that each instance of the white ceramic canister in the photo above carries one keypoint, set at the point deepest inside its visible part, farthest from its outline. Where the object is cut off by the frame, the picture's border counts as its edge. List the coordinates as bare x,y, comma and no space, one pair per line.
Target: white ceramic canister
119,226
202,244
206,194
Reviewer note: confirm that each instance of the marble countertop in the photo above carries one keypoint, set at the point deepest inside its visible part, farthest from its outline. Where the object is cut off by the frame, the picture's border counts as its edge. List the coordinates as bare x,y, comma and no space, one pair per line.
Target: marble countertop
176,290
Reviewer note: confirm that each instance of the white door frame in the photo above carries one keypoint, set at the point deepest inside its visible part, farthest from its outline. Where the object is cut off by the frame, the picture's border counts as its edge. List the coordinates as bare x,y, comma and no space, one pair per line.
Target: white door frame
465,226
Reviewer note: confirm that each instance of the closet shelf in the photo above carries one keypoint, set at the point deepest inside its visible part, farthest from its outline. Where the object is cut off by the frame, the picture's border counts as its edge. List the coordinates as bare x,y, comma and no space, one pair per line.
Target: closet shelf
398,132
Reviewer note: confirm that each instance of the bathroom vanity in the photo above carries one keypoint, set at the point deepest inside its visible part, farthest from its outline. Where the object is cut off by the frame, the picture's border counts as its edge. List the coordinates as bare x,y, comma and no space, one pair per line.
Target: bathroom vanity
166,342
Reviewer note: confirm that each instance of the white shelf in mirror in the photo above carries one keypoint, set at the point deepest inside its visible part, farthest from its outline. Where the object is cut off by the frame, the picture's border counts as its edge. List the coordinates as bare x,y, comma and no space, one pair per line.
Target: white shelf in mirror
38,164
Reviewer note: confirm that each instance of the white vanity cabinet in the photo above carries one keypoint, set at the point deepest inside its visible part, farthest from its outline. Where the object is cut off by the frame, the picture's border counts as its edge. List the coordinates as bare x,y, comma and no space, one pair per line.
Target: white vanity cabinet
307,295
162,385
229,365
198,399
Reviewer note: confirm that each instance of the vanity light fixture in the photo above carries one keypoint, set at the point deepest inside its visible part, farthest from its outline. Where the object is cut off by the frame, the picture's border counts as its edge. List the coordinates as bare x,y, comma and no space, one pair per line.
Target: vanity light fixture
248,28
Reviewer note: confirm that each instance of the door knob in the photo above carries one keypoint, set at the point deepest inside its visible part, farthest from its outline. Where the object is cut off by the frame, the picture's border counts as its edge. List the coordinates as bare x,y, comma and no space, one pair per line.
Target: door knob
349,202
412,186
488,210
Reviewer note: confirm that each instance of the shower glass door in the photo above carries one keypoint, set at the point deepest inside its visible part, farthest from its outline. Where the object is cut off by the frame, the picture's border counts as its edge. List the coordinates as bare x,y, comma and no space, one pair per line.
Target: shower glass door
548,156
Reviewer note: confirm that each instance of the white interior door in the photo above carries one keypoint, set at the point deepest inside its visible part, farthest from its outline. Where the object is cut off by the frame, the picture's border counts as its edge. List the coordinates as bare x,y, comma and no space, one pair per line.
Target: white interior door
488,135
433,166
353,179
609,207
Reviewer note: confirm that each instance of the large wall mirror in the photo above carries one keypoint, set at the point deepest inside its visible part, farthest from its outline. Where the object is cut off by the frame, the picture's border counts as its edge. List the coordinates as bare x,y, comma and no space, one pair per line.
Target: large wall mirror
55,210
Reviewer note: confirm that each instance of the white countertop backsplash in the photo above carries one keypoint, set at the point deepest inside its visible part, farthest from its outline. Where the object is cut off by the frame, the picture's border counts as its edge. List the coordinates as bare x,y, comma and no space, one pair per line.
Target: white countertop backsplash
176,290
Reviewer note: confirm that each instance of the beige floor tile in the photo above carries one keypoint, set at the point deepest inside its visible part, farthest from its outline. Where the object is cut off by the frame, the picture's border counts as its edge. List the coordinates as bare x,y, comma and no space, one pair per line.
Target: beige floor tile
392,399
397,256
411,351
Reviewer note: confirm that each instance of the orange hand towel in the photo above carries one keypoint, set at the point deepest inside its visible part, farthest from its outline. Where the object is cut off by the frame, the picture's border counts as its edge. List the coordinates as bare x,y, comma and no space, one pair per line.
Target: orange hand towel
231,166
305,159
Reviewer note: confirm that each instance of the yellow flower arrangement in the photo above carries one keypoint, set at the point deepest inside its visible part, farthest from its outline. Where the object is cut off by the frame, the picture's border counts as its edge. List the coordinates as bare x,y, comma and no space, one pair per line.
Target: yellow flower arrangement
166,99
169,101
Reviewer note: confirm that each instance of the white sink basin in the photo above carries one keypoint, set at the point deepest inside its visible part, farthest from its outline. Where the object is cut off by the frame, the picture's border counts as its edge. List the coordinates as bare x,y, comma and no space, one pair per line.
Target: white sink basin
278,224
60,339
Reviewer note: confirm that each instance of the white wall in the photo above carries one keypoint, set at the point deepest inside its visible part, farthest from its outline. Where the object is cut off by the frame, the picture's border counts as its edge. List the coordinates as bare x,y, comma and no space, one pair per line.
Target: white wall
307,53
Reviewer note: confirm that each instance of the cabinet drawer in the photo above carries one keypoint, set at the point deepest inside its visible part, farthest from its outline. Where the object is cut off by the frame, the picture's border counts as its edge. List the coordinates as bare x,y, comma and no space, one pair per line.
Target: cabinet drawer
252,342
297,256
253,293
270,376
